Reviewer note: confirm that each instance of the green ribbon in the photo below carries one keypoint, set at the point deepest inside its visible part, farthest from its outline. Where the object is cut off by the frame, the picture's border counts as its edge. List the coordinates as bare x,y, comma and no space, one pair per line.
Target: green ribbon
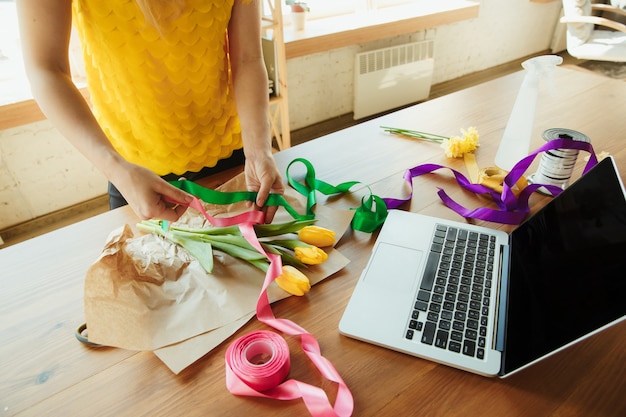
230,197
368,217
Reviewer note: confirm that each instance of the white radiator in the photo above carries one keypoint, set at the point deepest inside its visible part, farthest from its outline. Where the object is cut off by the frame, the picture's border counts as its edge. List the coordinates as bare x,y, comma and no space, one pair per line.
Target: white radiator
392,77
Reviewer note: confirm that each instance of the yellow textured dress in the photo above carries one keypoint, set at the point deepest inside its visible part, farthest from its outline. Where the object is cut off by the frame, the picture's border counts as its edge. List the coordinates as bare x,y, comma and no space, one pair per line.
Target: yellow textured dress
163,97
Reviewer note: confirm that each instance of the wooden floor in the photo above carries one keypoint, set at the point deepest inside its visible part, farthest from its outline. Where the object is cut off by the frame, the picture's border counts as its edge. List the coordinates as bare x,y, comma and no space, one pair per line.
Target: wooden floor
99,205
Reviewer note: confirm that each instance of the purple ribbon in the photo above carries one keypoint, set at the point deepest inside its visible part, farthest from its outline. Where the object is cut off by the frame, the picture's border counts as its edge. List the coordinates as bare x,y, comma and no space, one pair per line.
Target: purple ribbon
511,209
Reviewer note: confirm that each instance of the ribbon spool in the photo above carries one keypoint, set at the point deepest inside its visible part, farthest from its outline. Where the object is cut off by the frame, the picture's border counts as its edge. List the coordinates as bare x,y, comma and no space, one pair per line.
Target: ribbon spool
556,165
258,363
493,177
259,359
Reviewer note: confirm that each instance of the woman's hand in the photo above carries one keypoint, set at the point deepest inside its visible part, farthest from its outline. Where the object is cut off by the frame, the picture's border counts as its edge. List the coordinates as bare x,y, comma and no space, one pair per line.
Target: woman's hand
262,176
149,195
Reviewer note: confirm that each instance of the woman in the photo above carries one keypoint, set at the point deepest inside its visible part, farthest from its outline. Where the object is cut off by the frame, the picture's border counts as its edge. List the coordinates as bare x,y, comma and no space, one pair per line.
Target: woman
176,87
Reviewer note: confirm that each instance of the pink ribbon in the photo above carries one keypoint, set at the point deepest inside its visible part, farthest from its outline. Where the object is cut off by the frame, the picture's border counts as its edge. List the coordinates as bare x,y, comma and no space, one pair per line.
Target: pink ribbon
314,398
253,216
260,359
264,375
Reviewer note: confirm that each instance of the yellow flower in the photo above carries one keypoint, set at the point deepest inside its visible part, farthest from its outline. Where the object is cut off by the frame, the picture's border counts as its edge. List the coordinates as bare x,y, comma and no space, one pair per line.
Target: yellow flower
456,147
310,255
316,235
293,281
471,136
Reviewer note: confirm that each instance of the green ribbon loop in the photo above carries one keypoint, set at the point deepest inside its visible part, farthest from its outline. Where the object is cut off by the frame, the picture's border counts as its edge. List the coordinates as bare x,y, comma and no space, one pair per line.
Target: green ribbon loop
366,217
369,216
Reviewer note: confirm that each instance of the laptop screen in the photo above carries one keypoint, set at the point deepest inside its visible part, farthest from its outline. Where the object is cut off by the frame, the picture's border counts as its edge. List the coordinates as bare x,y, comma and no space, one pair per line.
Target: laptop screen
567,268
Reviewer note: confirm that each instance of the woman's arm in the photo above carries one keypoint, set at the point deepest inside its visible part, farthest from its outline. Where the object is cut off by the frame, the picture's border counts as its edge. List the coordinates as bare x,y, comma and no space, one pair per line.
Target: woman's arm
45,27
252,97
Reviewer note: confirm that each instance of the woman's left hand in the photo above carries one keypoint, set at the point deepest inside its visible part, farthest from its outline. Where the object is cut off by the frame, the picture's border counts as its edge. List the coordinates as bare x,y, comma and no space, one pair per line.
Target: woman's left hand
262,176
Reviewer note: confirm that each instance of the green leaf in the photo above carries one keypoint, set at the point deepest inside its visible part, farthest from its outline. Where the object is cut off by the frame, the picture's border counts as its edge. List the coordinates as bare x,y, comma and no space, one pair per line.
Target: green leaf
200,250
229,239
229,230
290,243
262,265
267,230
287,256
238,251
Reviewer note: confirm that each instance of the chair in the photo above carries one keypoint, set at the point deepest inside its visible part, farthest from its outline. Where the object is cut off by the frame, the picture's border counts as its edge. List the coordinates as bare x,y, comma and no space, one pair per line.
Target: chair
586,37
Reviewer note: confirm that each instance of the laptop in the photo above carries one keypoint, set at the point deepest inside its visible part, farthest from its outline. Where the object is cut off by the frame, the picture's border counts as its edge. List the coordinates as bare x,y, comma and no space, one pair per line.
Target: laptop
490,303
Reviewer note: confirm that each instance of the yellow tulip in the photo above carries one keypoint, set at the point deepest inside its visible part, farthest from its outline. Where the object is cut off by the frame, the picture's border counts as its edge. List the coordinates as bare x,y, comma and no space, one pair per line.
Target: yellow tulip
293,281
310,255
316,235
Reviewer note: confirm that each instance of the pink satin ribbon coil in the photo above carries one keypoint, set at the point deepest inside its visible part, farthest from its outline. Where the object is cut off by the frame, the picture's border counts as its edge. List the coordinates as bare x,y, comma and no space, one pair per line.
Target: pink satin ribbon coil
314,397
257,364
259,359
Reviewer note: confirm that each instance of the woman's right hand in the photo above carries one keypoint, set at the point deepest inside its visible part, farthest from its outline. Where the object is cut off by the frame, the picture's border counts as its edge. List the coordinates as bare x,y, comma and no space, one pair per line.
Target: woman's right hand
149,195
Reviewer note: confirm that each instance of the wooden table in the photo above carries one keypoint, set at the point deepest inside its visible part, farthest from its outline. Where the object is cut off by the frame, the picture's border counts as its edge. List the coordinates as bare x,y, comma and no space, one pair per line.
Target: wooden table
45,371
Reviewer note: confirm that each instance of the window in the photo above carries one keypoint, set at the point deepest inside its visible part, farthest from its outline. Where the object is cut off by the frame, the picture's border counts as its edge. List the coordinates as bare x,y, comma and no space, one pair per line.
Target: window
14,86
13,82
387,3
325,8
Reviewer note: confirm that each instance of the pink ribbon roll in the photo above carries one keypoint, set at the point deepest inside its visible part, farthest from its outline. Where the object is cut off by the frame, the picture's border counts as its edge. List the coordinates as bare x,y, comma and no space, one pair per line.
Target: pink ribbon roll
257,364
259,359
314,397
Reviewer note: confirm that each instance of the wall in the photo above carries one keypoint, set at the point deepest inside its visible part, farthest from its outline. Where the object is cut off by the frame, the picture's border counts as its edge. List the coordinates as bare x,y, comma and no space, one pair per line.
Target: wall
40,173
504,31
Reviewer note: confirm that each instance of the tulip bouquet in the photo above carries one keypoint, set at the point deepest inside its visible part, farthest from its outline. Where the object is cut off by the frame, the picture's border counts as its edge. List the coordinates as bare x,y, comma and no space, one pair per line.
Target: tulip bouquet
296,252
454,146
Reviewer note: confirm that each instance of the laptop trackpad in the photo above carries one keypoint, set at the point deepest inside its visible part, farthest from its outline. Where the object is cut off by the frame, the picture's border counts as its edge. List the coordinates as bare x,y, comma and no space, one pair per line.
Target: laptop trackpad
394,267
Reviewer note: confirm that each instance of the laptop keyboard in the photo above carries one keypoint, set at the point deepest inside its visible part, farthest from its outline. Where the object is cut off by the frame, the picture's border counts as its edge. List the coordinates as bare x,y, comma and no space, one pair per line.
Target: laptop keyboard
452,306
